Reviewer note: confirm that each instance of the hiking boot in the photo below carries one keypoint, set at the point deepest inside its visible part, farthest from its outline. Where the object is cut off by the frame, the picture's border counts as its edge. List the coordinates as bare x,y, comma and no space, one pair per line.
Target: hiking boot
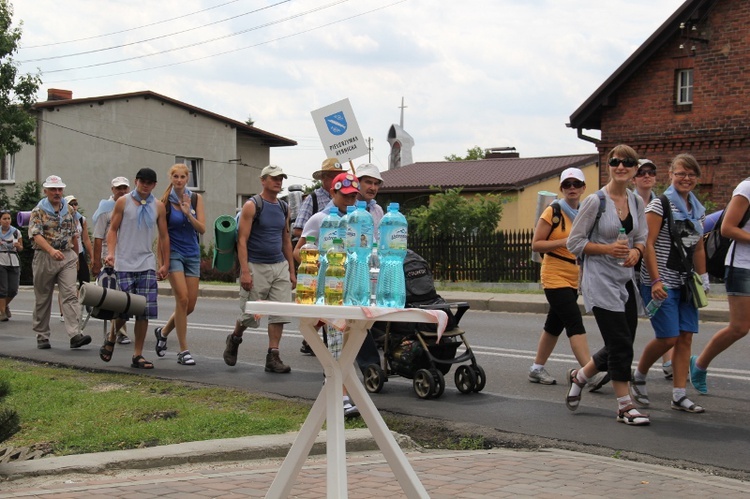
43,344
631,416
541,376
697,376
230,352
598,380
274,364
80,340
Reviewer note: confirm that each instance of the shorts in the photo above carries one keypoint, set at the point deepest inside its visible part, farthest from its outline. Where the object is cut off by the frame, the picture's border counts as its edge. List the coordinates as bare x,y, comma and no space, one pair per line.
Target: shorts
271,282
674,315
189,265
738,283
563,312
144,284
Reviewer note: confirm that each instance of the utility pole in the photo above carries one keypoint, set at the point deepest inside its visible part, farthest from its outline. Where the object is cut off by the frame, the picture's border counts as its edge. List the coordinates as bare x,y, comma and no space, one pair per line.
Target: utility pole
369,149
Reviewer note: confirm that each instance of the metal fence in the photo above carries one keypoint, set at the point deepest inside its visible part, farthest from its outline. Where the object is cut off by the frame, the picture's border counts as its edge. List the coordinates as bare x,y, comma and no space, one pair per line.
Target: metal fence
500,257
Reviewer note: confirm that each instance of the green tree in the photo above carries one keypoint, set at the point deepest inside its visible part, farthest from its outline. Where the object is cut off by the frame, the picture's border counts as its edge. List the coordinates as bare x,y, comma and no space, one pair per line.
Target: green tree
250,121
4,199
27,196
17,92
475,152
450,214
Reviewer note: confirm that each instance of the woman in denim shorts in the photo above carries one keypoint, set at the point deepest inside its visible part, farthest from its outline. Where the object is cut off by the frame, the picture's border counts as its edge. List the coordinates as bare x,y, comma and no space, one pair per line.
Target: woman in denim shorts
737,280
185,220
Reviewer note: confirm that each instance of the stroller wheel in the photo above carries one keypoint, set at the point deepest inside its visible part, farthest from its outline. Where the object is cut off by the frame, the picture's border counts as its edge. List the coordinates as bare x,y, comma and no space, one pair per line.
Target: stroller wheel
424,384
466,380
439,382
481,378
374,378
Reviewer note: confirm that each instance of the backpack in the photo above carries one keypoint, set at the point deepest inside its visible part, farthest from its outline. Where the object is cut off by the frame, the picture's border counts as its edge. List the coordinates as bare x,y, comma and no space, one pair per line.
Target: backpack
716,247
257,200
557,219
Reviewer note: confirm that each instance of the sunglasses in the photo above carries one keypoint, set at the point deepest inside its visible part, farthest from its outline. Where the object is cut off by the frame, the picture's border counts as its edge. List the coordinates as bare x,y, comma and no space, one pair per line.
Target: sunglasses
572,183
73,203
627,162
347,182
643,173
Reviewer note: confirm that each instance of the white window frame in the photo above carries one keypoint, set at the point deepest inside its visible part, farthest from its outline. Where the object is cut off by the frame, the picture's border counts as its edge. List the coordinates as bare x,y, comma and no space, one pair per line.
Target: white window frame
684,87
8,169
195,166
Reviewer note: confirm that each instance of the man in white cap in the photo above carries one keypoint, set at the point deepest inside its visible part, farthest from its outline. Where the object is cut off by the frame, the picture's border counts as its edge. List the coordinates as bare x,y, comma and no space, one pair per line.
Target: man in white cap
264,251
369,185
102,218
52,230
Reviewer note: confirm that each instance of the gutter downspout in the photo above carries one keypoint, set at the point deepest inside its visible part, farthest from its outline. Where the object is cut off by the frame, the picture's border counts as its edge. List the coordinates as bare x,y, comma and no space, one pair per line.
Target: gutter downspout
38,151
586,137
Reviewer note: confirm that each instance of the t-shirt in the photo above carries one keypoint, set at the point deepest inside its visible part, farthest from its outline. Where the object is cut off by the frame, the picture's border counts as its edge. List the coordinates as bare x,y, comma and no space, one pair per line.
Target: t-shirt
556,273
742,255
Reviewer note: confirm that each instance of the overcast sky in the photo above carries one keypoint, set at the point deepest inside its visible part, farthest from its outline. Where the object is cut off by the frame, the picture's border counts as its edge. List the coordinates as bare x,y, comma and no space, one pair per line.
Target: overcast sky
492,73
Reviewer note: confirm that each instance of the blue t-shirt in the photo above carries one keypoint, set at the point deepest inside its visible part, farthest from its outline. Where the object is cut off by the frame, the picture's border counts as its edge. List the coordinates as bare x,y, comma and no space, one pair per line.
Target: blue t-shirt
264,243
182,236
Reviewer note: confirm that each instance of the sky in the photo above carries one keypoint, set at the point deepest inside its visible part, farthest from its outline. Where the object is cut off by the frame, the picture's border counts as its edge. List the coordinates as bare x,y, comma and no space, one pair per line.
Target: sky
488,73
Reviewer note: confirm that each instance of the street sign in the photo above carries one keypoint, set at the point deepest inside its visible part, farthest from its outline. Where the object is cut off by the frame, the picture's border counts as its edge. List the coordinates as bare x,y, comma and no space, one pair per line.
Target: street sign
339,131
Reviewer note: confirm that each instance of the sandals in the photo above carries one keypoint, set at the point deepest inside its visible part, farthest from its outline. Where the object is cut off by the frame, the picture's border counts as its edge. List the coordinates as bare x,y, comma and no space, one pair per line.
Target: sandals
106,353
638,394
630,416
185,358
140,363
161,342
571,402
686,405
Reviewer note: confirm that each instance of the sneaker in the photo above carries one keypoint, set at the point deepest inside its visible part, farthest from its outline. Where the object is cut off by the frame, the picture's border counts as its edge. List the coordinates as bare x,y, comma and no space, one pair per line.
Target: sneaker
350,410
230,352
697,376
123,339
571,401
274,364
541,376
7,312
667,369
161,342
598,380
305,348
43,344
638,392
631,416
185,358
62,319
686,405
80,340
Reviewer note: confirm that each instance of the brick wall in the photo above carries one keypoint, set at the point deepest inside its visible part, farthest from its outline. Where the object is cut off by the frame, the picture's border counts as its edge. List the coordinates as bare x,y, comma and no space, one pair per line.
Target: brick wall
716,127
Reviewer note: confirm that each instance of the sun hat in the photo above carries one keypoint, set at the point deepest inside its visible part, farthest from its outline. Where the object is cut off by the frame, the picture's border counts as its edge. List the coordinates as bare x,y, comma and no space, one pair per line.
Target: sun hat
329,165
368,170
53,181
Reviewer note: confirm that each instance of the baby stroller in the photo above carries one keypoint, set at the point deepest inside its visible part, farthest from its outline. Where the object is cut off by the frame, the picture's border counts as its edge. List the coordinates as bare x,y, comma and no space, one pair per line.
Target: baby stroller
411,350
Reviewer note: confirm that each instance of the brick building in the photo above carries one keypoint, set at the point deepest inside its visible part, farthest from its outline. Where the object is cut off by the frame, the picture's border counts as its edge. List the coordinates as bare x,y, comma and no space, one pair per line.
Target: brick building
683,90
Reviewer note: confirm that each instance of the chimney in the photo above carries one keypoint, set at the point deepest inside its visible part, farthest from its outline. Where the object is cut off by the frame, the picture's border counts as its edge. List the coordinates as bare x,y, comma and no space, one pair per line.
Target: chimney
57,94
501,152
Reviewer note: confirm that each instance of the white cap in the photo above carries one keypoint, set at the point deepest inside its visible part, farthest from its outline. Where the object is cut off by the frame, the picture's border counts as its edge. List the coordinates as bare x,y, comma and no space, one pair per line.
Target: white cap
273,171
573,173
70,198
368,170
53,181
118,181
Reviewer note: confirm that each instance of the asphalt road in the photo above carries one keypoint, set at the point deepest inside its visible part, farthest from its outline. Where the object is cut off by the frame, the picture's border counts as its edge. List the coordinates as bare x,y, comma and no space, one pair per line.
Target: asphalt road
504,344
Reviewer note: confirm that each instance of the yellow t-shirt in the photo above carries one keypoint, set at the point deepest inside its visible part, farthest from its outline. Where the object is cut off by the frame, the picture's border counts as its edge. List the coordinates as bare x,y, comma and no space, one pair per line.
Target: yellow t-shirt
558,273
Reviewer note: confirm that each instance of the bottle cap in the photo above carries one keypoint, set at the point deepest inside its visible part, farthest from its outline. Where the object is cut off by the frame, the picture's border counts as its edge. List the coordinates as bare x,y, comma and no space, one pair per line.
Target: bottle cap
310,239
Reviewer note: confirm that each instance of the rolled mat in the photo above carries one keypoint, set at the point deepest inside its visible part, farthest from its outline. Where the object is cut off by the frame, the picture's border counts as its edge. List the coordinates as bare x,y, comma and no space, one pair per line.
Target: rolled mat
225,237
22,218
111,299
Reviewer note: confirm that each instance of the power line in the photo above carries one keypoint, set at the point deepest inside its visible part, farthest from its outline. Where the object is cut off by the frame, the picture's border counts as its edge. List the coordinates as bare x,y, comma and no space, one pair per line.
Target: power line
129,29
229,51
254,28
86,52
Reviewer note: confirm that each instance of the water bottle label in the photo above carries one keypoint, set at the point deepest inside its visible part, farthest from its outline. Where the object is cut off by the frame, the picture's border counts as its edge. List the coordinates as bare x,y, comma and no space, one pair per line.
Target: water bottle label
365,240
397,239
351,236
326,238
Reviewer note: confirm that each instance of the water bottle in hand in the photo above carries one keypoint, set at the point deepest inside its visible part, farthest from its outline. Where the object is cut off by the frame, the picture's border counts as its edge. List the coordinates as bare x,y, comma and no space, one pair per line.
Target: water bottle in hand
654,305
622,238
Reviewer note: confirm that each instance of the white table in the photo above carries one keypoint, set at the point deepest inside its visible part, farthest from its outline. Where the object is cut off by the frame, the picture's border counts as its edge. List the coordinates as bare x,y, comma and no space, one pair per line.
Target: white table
329,407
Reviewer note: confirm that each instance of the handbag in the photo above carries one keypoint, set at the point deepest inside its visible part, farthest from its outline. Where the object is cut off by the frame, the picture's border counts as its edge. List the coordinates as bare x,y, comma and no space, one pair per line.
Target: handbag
694,283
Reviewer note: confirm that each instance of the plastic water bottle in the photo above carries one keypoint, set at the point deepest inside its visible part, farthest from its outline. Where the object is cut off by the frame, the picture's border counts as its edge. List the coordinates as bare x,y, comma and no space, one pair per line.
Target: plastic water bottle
374,264
391,291
329,230
622,238
307,272
654,304
334,281
359,236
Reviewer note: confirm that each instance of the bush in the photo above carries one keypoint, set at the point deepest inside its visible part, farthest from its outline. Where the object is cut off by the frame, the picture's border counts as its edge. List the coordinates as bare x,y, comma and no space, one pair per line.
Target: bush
10,422
208,273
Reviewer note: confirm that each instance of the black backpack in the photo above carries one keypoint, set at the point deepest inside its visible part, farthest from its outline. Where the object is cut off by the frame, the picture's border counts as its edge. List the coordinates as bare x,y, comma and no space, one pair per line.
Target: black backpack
716,246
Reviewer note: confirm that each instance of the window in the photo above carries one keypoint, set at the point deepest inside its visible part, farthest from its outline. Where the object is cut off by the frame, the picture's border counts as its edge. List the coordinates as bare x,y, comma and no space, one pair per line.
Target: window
684,87
8,168
195,165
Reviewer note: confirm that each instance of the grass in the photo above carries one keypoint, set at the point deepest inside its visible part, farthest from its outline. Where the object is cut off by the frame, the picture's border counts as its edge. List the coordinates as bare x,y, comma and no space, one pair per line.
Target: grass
70,411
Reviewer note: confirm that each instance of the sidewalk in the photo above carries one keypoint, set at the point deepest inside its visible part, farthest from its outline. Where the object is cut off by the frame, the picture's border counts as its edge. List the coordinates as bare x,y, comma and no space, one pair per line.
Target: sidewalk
445,474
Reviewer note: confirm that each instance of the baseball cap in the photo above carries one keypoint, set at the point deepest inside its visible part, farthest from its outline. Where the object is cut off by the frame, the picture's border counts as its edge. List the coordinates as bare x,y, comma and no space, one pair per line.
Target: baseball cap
346,183
118,181
645,162
573,173
368,170
146,174
329,165
273,171
53,181
70,198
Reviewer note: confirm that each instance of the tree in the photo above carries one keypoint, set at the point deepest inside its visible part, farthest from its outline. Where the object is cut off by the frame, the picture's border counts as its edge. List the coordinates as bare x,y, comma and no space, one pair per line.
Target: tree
250,121
17,92
475,152
450,214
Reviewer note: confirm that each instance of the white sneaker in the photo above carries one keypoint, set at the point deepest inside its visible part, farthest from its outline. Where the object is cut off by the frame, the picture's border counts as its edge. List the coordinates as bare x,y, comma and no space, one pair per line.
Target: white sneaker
350,410
541,376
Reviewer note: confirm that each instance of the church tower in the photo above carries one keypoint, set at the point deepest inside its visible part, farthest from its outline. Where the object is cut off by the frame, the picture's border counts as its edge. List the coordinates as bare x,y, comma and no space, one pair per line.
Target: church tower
401,144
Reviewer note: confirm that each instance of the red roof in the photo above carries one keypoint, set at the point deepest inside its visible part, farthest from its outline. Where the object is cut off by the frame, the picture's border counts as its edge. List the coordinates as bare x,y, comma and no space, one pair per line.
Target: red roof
502,174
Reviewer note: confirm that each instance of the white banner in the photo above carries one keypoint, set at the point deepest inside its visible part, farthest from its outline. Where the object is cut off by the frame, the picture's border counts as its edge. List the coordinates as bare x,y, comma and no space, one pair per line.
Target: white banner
339,131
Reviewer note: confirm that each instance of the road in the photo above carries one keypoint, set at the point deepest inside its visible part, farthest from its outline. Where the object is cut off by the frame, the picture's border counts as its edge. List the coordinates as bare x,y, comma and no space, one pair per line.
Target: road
504,344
